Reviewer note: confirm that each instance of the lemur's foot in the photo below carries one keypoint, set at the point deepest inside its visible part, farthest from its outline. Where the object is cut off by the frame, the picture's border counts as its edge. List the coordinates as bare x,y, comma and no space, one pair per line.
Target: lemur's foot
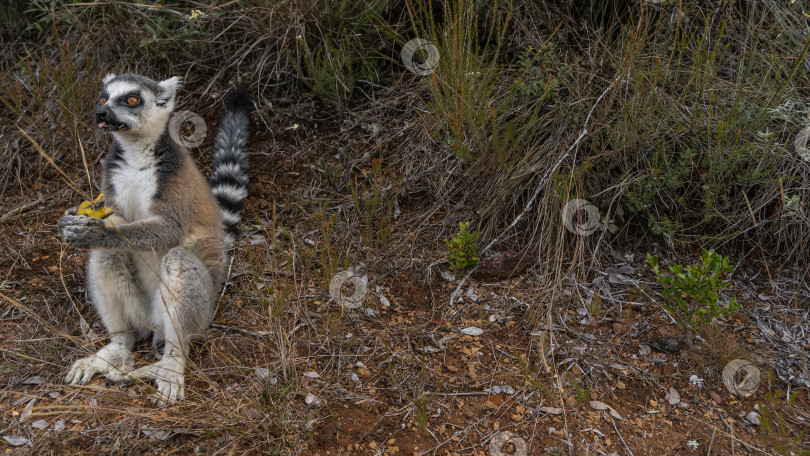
168,376
113,360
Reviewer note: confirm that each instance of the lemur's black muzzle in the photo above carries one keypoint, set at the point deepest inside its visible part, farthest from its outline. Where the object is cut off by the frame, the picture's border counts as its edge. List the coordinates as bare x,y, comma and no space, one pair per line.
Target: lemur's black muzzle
107,121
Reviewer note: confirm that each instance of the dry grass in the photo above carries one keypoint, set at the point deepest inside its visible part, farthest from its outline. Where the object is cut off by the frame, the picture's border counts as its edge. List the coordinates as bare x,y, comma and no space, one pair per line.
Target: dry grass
717,349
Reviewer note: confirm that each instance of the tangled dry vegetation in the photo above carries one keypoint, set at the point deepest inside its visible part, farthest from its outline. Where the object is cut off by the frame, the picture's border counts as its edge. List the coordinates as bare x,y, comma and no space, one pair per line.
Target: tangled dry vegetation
684,125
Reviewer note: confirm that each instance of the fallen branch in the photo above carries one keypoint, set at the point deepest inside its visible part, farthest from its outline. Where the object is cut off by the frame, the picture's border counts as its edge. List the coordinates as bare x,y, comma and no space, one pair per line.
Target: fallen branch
21,209
620,436
240,330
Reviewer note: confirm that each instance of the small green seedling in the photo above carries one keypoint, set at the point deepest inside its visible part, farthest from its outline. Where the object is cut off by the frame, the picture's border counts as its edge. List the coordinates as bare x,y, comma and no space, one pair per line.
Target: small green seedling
691,294
462,248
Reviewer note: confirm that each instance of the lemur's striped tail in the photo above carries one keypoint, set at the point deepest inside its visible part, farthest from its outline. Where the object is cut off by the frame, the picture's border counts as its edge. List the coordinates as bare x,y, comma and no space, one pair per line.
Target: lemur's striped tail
229,181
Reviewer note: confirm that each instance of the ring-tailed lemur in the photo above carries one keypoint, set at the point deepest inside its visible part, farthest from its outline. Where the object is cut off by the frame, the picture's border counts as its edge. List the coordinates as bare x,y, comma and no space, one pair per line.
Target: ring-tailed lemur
157,263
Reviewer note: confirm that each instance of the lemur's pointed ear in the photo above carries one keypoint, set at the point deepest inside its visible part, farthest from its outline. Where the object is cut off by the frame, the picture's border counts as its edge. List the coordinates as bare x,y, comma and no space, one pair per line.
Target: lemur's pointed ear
168,90
107,78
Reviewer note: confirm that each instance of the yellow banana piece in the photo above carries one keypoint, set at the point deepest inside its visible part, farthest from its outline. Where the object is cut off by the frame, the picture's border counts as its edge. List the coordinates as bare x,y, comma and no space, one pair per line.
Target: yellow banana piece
95,209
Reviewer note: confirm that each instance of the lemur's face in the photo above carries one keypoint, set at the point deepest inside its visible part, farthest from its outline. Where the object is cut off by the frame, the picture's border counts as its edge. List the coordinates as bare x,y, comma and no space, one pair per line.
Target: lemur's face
132,104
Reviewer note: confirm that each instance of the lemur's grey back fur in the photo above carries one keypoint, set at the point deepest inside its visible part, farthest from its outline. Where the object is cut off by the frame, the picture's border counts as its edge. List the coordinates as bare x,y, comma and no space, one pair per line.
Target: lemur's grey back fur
229,181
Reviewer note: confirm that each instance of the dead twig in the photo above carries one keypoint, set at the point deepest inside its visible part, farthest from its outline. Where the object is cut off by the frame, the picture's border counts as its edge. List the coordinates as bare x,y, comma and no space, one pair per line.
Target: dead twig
19,210
240,330
615,428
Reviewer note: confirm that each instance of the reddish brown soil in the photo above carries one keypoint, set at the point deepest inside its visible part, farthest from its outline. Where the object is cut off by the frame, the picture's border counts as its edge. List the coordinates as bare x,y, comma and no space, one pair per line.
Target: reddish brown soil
386,383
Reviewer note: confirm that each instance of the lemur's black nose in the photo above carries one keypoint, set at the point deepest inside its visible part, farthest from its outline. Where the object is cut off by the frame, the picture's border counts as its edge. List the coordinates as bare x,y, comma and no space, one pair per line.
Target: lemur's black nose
101,115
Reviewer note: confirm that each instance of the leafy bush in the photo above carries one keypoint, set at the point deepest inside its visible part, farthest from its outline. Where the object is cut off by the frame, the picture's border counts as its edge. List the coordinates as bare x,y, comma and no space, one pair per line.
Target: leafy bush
538,75
675,161
462,248
343,50
691,294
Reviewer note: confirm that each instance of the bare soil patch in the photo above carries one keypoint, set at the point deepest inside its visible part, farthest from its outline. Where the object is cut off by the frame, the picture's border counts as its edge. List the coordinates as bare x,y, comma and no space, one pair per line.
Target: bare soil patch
287,371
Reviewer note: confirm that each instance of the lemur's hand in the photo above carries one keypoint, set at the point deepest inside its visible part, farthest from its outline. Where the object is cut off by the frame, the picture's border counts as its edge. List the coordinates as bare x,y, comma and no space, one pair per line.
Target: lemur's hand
81,231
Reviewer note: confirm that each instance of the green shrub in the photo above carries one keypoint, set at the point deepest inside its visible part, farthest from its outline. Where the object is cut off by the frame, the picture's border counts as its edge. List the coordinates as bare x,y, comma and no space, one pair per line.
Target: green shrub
476,106
538,74
691,294
344,49
374,201
699,139
777,431
462,248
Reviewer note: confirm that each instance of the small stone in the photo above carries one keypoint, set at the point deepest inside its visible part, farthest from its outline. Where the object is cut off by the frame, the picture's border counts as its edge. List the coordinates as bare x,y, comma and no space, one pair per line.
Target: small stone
310,399
15,440
472,295
644,350
364,372
157,435
597,405
28,410
665,344
472,331
262,373
673,397
550,410
753,418
503,266
39,424
253,414
498,389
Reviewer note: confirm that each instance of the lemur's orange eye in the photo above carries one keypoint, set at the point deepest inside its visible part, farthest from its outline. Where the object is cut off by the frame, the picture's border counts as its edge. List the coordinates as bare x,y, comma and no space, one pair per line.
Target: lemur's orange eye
132,101
102,101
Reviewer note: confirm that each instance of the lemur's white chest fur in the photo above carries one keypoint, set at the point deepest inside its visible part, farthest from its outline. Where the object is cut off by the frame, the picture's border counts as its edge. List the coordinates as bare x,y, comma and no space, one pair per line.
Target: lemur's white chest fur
135,183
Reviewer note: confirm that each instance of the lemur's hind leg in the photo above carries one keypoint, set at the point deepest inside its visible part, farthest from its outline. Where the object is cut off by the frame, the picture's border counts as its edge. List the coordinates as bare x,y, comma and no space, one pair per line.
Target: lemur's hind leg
182,308
120,305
